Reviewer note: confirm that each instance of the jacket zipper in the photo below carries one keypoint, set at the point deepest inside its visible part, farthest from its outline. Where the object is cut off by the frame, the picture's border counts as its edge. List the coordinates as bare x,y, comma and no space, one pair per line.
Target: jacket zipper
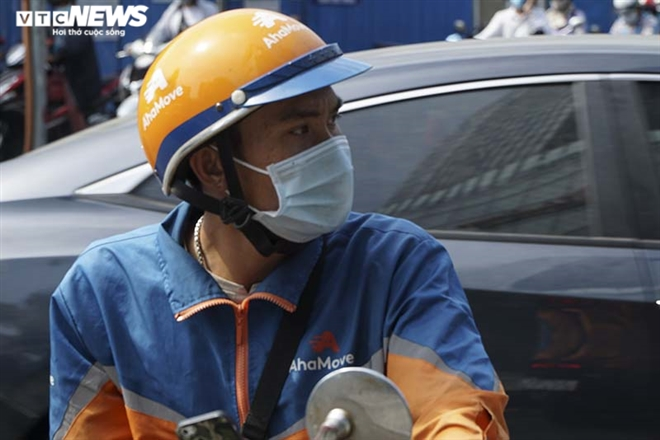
242,392
187,313
242,346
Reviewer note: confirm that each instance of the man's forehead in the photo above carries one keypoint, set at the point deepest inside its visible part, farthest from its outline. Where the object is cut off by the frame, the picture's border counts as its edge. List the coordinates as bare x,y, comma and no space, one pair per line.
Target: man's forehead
316,100
312,104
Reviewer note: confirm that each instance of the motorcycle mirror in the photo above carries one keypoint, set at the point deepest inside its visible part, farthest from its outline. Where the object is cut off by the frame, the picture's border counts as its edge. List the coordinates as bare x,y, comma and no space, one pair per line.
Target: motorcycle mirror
359,404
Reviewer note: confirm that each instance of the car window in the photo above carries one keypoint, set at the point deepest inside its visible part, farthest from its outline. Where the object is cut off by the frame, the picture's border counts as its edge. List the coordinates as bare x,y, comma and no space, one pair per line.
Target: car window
499,160
650,92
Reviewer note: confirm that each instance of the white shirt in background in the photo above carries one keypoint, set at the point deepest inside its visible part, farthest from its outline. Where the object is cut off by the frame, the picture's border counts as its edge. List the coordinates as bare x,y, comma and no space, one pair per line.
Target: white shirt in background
508,23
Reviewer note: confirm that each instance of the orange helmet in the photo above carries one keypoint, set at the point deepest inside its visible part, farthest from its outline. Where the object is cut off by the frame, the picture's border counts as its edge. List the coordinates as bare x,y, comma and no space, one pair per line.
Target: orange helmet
222,69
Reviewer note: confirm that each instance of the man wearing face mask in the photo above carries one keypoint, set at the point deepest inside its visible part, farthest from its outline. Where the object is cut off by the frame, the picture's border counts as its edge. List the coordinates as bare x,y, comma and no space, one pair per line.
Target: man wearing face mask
521,19
179,16
560,14
632,20
179,319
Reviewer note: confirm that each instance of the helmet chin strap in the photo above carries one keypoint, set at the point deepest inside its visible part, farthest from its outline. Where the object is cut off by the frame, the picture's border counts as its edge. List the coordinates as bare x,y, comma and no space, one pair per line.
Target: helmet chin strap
234,210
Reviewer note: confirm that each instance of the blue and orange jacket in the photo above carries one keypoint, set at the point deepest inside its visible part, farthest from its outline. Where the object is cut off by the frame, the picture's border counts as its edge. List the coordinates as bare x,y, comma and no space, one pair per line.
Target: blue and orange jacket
142,336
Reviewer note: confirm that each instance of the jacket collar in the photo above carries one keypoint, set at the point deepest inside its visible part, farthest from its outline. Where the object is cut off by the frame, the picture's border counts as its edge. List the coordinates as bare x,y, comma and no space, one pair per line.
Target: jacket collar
187,283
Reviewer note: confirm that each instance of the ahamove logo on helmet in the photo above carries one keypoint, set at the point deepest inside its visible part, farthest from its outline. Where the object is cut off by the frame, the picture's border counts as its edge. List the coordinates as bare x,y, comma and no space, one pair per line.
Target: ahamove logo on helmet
268,20
158,82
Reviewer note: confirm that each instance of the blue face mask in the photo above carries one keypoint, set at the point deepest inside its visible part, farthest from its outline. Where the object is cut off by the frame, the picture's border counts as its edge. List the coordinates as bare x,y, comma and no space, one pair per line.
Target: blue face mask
314,188
518,4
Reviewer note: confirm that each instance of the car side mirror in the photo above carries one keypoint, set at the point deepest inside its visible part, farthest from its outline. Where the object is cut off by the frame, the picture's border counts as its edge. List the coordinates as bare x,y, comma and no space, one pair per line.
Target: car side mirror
358,403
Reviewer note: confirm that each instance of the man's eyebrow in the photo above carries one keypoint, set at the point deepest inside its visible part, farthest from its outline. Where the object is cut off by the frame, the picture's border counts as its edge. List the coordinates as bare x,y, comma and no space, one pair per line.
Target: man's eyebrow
297,113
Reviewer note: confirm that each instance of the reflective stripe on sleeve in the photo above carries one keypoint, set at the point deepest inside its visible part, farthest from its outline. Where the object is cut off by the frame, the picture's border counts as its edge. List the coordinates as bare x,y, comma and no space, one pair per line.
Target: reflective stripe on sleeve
149,407
141,404
409,349
89,387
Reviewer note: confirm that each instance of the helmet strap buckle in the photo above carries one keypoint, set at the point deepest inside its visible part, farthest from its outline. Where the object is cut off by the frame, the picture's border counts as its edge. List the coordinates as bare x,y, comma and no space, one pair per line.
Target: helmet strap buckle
235,211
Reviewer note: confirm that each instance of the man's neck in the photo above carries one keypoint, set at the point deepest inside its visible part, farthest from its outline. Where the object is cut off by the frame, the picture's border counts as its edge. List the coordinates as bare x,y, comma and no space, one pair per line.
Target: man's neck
230,255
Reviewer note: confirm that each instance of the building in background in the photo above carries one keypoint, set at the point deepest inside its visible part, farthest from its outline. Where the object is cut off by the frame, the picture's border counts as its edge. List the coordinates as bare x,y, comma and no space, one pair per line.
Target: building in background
509,139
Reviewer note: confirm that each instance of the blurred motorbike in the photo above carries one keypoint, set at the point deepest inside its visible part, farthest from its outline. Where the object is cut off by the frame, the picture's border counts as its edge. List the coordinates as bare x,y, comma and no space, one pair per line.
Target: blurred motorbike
462,33
130,79
61,116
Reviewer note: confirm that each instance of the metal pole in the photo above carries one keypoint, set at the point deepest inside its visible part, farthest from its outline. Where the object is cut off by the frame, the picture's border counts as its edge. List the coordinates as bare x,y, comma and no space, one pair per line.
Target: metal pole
34,39
26,35
39,57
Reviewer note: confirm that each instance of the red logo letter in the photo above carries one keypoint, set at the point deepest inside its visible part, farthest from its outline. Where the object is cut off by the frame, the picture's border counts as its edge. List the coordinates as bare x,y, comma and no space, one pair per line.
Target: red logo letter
323,341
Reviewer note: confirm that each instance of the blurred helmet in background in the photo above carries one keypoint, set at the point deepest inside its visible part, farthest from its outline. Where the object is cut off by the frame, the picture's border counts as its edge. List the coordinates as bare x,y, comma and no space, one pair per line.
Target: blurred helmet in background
621,5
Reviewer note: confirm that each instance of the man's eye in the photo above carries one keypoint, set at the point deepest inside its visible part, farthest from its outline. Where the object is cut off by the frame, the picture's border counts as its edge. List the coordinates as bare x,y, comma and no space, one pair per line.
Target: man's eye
303,129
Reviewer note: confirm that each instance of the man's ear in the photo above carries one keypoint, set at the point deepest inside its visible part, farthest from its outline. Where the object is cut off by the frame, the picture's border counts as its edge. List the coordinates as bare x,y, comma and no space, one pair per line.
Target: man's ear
206,165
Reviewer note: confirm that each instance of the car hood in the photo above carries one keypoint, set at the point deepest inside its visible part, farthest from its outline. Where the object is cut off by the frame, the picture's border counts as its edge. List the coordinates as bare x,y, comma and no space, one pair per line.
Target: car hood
60,168
63,226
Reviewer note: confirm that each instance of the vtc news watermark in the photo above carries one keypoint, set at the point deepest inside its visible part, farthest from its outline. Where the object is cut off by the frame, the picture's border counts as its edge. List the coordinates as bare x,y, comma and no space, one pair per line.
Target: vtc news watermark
88,17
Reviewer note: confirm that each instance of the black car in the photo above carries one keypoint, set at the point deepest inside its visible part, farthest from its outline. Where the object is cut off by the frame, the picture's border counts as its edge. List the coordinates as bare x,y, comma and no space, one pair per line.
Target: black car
535,161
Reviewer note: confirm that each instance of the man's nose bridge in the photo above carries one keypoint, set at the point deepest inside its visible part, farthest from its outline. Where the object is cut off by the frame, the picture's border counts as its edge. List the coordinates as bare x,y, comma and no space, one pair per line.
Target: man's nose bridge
322,132
322,137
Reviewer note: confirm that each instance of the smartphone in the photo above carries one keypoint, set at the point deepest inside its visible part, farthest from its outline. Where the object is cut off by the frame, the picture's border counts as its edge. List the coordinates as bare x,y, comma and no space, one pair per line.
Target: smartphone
215,425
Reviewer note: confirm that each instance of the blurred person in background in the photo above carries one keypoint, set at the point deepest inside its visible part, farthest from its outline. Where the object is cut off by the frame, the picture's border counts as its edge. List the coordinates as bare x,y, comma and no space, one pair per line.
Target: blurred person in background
559,15
521,19
179,16
651,6
633,19
77,55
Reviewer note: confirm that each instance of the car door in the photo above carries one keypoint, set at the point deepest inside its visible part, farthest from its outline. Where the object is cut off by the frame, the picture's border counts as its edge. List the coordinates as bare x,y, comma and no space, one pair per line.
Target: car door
646,101
518,179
